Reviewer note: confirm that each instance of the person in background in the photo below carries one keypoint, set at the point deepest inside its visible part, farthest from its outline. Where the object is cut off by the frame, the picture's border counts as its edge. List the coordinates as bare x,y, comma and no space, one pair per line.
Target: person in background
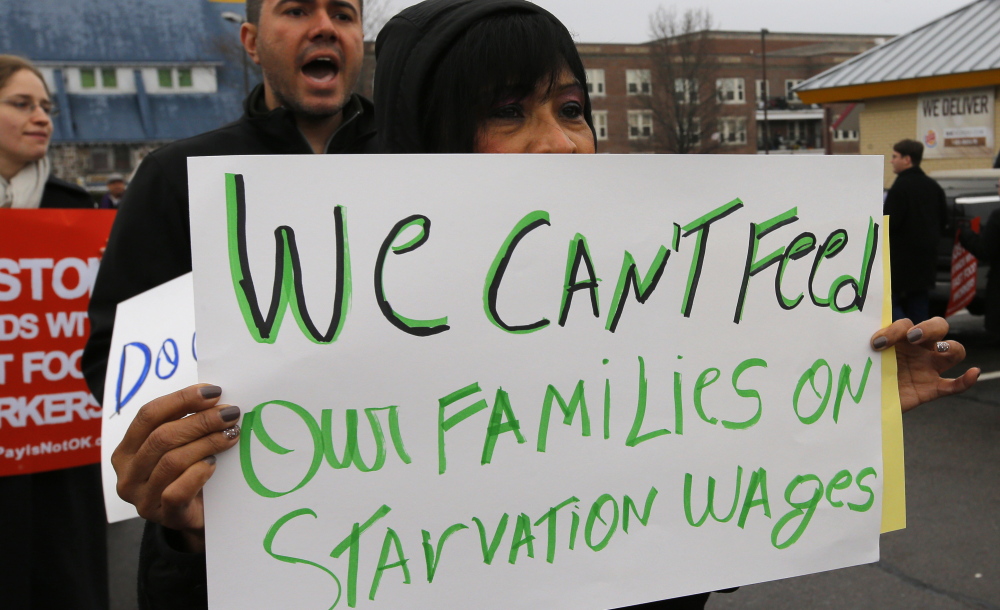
985,246
116,190
310,53
26,111
917,210
53,550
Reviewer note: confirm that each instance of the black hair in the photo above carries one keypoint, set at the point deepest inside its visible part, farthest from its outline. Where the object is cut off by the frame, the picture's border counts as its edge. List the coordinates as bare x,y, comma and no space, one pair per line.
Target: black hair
910,148
506,54
253,8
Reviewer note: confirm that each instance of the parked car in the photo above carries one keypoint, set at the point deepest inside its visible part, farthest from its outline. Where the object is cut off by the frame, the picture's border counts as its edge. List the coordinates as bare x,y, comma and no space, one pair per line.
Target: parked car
971,193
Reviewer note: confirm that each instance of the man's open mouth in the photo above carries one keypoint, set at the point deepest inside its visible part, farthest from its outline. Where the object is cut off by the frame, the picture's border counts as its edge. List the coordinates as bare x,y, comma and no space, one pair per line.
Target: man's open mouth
321,69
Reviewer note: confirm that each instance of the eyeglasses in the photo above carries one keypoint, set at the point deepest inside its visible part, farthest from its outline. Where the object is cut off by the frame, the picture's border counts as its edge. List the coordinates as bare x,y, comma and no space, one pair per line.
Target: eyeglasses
29,106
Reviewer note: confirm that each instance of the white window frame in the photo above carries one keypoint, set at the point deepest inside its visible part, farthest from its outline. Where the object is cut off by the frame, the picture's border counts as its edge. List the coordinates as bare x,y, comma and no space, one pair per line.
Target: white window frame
640,124
846,135
601,124
638,82
731,90
204,79
764,87
595,83
791,83
123,81
688,90
733,130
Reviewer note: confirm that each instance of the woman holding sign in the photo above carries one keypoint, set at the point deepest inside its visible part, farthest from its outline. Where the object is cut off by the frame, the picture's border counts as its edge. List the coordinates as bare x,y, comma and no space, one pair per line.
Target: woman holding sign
52,527
454,76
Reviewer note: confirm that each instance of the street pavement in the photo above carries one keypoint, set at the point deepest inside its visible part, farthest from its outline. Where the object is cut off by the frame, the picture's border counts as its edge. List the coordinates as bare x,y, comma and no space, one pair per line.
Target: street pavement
947,558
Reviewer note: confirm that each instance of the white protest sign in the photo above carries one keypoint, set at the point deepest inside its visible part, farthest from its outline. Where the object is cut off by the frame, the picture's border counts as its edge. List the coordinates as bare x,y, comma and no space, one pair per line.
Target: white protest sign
516,381
152,354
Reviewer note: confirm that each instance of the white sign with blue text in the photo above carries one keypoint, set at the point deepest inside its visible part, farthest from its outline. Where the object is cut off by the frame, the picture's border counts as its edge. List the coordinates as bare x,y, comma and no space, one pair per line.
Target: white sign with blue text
152,354
542,381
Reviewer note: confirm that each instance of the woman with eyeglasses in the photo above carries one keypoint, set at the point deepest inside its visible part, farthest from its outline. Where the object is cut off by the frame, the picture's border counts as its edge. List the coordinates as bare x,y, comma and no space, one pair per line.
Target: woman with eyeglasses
26,112
53,549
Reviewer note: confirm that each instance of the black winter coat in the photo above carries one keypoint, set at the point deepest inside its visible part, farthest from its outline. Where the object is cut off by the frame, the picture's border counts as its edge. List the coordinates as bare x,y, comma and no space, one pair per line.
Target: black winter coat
917,210
52,524
151,244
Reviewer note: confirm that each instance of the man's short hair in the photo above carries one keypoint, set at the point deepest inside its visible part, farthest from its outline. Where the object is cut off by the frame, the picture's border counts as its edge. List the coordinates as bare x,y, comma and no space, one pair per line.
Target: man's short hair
254,6
910,148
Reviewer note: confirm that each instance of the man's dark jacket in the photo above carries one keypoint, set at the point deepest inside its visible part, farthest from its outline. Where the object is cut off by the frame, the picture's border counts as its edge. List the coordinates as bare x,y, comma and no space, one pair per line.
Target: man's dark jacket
150,244
917,210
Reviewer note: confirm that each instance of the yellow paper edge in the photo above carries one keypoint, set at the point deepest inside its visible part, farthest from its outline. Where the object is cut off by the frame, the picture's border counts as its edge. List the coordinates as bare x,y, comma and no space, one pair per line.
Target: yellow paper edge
894,479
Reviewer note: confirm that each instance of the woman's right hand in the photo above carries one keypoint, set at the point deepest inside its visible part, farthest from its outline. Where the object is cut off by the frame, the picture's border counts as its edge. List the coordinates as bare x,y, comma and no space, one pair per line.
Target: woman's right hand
166,457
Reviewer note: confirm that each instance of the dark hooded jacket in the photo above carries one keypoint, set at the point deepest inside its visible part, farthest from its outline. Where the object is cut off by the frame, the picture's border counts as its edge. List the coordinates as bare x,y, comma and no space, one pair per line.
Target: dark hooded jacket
408,51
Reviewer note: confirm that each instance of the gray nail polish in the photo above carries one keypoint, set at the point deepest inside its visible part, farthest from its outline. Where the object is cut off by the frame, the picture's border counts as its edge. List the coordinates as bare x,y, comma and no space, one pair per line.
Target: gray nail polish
210,391
914,335
231,433
210,460
880,342
229,413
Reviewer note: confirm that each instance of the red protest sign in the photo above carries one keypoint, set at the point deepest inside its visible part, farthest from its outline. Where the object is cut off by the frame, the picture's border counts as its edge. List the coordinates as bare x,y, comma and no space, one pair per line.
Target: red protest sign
48,263
963,275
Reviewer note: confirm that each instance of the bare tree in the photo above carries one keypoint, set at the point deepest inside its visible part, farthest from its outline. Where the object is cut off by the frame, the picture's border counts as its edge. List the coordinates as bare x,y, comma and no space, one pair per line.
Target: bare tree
683,101
376,14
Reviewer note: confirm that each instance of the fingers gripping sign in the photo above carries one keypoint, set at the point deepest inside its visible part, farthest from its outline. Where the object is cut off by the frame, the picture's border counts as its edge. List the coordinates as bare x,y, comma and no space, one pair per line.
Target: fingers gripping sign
922,354
168,454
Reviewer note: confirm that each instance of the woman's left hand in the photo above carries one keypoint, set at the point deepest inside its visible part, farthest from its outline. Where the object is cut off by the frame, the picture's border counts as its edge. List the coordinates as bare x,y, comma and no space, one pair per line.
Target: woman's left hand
922,354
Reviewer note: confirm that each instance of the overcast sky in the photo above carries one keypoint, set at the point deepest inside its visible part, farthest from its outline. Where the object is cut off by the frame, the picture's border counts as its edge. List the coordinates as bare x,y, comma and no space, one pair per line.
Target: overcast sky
628,20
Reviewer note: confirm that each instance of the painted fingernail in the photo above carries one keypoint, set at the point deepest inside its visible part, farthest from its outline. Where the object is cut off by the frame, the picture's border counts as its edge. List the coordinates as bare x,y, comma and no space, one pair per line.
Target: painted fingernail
880,342
914,335
942,346
210,391
231,433
229,413
210,460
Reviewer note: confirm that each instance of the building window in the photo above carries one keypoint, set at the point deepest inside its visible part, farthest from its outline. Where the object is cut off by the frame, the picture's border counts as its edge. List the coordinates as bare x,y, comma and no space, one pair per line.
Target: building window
689,132
100,160
194,79
763,92
686,90
845,135
733,130
638,82
640,124
109,78
731,90
601,124
595,82
165,77
88,78
790,85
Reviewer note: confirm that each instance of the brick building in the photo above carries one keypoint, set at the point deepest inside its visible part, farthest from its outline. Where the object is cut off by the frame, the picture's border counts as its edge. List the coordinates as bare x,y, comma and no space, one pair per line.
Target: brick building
621,79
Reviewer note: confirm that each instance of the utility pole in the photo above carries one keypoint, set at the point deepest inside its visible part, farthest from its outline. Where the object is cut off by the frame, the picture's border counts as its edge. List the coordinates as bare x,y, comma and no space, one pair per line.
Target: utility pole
767,90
